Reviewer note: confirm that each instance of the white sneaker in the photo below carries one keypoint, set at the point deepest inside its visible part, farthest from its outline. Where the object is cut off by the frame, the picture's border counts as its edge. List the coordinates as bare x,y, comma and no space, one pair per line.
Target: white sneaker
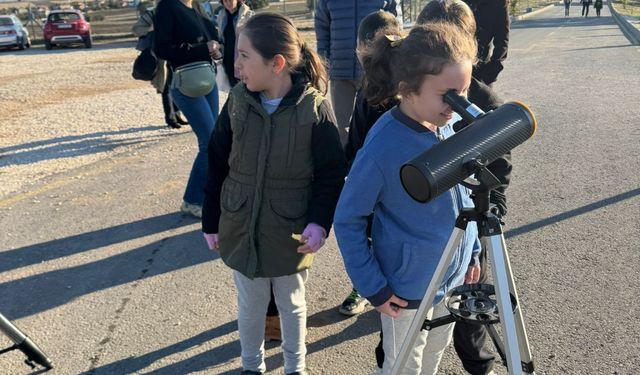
191,209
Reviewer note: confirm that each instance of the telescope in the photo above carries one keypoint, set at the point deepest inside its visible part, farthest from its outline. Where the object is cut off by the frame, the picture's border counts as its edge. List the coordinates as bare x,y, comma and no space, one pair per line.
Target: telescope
489,136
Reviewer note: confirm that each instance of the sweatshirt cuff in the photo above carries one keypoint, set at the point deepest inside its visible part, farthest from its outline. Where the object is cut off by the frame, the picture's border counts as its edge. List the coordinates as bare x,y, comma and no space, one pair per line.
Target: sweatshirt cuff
381,296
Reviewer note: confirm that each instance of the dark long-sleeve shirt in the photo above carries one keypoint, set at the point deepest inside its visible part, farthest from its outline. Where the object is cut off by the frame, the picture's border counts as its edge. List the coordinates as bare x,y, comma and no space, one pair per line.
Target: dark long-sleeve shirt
492,20
181,33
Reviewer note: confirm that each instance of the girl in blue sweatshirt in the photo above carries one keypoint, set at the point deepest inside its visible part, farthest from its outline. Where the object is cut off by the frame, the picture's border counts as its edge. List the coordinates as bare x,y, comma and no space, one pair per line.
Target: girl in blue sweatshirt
408,238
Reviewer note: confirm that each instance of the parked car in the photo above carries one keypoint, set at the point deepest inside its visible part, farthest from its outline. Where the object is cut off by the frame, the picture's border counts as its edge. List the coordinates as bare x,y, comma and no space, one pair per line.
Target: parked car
13,34
64,27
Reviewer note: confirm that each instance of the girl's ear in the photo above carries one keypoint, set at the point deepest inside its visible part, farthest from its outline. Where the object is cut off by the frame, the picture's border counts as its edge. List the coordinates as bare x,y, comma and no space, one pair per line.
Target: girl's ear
279,63
403,89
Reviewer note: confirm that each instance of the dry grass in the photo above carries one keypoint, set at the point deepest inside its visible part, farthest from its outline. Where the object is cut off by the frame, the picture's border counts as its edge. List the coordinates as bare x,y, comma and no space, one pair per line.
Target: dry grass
628,7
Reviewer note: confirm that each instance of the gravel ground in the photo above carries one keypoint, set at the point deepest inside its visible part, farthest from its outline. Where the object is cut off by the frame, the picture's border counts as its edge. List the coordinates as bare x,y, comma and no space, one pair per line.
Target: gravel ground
70,107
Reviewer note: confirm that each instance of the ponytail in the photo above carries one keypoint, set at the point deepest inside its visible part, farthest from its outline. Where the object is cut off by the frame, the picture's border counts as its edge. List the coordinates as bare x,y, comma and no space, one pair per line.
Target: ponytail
379,83
274,34
313,68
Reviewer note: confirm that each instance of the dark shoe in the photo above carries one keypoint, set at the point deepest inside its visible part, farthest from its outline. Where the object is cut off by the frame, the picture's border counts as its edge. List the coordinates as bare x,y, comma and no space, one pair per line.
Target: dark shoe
354,304
181,119
272,329
173,124
247,372
298,373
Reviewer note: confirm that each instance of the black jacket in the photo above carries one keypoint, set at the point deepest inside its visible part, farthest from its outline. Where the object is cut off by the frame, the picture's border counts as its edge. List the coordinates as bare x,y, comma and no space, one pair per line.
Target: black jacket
492,22
181,33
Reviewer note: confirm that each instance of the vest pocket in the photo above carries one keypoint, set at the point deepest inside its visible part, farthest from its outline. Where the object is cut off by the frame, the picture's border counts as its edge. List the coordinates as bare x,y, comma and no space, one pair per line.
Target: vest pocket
233,202
290,214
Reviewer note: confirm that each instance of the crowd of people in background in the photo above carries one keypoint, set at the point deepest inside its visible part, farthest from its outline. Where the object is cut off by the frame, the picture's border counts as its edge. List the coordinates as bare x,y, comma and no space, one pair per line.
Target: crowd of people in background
268,177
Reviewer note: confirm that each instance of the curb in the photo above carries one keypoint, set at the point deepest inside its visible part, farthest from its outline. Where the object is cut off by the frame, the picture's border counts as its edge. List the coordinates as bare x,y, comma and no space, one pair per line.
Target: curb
631,32
530,14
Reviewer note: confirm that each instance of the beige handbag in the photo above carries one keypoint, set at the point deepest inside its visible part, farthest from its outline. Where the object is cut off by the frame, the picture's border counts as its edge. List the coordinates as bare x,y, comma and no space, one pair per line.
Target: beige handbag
194,79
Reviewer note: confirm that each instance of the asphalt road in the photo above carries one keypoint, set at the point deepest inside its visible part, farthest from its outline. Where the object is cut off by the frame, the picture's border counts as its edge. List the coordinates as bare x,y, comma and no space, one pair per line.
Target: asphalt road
100,269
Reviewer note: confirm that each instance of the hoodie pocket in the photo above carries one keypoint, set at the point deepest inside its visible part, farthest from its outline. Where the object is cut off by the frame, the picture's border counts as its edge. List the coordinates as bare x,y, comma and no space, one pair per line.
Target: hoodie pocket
405,260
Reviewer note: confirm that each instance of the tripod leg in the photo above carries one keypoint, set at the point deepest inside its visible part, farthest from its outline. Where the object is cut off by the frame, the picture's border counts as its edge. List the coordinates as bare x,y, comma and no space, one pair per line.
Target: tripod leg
427,301
523,340
24,343
512,323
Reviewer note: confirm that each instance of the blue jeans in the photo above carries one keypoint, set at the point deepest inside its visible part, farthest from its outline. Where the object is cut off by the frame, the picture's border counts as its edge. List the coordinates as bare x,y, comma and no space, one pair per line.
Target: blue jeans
202,113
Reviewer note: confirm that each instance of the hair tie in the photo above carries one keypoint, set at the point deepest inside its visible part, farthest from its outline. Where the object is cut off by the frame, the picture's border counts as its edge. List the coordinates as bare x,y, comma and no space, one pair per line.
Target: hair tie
394,40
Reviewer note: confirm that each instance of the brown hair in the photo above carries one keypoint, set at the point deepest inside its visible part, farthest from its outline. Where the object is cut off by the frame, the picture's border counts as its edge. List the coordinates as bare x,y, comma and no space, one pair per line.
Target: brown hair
375,22
274,34
425,51
456,12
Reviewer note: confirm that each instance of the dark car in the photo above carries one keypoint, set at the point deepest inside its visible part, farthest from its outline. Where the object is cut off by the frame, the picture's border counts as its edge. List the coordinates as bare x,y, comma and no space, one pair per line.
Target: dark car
13,34
64,27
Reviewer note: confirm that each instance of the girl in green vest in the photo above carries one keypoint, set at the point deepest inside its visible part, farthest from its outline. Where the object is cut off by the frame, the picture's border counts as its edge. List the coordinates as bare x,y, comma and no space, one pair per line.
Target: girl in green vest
276,169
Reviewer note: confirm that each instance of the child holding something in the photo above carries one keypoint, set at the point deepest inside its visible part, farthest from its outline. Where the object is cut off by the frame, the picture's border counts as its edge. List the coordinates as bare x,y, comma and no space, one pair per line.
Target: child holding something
276,167
408,238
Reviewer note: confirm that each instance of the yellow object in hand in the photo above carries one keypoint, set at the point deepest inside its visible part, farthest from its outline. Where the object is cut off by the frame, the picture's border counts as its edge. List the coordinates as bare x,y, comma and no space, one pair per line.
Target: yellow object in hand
296,237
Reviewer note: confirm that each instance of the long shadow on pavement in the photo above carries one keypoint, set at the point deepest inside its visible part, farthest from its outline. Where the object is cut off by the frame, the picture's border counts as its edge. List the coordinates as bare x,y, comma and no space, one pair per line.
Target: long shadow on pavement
34,294
202,361
573,213
73,146
539,23
33,254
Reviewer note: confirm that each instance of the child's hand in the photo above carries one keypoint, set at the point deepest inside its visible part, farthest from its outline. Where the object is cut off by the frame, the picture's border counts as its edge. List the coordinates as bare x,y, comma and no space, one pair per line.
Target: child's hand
473,274
313,238
212,240
392,306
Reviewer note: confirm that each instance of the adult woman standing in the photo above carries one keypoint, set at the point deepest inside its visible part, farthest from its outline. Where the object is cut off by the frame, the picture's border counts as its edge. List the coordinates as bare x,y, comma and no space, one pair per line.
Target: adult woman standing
233,15
185,34
597,5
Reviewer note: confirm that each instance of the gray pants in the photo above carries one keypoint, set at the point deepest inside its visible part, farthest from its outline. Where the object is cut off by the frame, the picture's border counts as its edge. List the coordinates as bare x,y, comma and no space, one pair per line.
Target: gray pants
253,299
343,98
428,348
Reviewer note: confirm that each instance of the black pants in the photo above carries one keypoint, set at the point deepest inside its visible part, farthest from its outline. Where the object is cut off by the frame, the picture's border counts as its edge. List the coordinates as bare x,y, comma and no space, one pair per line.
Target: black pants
566,9
166,99
585,9
469,339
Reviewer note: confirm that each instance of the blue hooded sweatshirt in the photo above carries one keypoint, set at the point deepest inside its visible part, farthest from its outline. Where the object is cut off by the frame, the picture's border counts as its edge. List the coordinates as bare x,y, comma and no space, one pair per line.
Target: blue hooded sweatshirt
408,238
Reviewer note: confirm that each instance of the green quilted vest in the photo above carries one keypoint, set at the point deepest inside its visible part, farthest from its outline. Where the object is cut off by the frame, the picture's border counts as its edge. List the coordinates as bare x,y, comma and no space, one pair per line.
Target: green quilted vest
264,198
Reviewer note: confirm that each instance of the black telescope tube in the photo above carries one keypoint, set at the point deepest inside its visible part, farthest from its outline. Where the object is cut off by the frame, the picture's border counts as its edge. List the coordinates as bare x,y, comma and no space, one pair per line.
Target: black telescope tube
467,110
451,161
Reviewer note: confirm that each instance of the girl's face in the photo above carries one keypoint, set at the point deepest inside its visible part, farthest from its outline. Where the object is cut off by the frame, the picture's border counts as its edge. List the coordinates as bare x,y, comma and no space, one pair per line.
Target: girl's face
230,5
256,72
427,105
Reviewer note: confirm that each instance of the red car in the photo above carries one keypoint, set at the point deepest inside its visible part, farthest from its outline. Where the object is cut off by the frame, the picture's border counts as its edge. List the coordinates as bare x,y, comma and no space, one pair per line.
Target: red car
66,27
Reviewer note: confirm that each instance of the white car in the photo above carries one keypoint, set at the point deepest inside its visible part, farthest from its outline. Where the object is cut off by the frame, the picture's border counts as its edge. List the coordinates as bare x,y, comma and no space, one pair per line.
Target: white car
13,34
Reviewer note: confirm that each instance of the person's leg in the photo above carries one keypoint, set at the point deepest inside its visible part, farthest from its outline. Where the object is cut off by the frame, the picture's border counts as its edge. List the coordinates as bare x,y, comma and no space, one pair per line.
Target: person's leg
289,292
469,339
394,333
343,98
437,341
167,107
253,297
583,6
199,112
586,14
272,327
